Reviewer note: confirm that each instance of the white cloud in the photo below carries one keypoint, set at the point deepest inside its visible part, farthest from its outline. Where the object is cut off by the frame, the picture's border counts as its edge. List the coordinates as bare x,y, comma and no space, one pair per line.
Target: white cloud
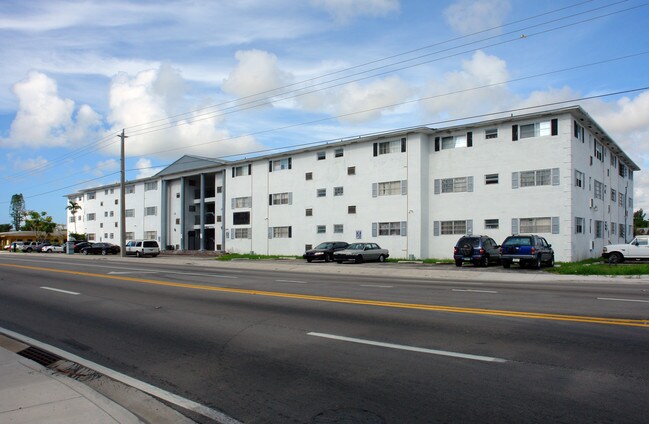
345,10
30,163
102,168
145,168
376,98
470,16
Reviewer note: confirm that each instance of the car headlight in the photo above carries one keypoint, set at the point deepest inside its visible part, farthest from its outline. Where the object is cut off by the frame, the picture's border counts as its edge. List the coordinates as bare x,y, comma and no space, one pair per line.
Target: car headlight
604,249
318,253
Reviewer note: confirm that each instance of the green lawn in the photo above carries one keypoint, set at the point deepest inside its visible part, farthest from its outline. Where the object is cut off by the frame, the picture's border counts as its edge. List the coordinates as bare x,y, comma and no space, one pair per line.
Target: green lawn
598,267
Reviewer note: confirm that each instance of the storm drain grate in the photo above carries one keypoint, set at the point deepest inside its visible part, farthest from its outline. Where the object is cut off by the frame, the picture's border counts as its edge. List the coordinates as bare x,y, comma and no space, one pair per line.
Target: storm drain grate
38,355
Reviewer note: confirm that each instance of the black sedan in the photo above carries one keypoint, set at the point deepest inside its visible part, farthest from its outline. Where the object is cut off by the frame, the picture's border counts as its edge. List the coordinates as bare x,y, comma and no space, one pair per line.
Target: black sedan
361,252
324,251
103,248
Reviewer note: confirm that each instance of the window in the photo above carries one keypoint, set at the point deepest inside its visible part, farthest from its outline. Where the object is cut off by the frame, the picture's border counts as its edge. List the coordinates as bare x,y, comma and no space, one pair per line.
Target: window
338,228
219,189
130,189
538,177
91,195
579,225
177,221
338,191
598,190
106,192
241,218
71,219
453,142
599,152
150,211
129,235
308,212
241,171
579,179
491,224
191,208
129,213
101,225
491,133
321,229
535,225
453,227
281,232
177,195
308,176
241,202
151,185
537,129
321,192
351,170
389,188
351,209
116,224
116,201
279,164
280,199
491,179
321,155
151,235
90,217
454,185
389,228
91,236
613,228
613,160
338,153
106,214
613,195
578,131
621,199
242,233
622,170
598,229
386,147
621,232
101,203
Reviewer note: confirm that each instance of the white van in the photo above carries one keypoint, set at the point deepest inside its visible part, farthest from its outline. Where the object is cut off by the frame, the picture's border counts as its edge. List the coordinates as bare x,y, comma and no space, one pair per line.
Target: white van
142,248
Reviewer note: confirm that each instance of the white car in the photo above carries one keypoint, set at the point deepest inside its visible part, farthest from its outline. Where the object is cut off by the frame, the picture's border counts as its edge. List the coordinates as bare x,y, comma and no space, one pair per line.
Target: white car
637,249
142,248
52,248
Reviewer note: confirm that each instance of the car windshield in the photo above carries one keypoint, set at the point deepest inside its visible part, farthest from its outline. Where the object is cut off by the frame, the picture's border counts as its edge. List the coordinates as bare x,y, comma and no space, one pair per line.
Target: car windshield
518,241
356,246
324,246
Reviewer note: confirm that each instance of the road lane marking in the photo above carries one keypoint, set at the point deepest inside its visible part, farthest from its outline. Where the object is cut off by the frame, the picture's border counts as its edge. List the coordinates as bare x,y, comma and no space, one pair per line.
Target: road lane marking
400,305
376,285
475,291
409,348
291,281
623,300
61,291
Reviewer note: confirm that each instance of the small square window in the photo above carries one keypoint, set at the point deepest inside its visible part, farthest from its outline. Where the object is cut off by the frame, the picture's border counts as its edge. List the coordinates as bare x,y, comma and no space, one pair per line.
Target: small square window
351,209
322,155
177,221
321,229
338,228
351,170
491,133
491,224
322,192
338,191
491,179
177,195
339,153
219,189
308,176
308,246
309,212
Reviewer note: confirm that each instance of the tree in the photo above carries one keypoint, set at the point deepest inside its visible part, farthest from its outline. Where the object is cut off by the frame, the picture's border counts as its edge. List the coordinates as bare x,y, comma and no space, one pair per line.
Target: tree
17,210
73,207
5,228
40,223
639,220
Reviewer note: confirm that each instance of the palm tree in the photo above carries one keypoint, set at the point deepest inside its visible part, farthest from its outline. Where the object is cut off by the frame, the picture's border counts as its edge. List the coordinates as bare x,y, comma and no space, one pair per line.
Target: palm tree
73,207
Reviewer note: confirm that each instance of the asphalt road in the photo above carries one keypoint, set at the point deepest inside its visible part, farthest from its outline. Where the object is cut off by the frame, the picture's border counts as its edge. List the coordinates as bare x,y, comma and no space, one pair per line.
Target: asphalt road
357,344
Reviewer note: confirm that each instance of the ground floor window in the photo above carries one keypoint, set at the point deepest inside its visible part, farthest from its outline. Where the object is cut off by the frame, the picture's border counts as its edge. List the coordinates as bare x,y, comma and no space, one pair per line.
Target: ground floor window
536,225
242,233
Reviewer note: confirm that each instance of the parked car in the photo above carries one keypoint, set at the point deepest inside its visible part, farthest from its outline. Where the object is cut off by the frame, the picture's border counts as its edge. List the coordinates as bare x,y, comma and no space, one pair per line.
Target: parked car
78,245
324,251
16,246
29,246
361,252
637,249
39,247
525,250
53,248
479,250
103,248
142,248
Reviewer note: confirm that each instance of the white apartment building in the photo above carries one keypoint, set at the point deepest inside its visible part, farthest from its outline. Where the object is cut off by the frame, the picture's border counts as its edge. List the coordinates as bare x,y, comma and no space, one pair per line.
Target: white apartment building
415,192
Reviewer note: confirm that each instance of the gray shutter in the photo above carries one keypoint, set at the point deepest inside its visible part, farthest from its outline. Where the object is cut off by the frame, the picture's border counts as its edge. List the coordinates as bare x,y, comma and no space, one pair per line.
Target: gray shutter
514,132
555,177
375,229
270,232
515,179
554,127
404,187
404,228
270,166
375,189
233,203
435,228
469,139
469,226
469,184
290,166
514,225
438,186
232,233
290,198
555,225
403,145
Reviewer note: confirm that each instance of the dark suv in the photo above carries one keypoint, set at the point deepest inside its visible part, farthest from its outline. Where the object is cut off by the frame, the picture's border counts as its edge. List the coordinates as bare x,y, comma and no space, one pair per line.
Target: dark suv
324,251
525,250
479,250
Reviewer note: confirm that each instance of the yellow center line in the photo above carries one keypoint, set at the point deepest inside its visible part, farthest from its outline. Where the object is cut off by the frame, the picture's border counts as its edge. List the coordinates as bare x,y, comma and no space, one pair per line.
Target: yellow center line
401,305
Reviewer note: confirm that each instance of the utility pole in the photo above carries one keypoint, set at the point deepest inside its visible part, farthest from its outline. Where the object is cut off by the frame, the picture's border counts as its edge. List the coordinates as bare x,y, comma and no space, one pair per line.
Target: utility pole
122,199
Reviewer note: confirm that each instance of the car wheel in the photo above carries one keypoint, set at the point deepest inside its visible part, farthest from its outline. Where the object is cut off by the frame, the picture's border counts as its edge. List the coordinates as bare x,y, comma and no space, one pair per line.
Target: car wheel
550,263
484,262
506,264
309,260
359,259
616,258
537,262
381,258
85,252
104,252
138,254
339,262
48,251
29,250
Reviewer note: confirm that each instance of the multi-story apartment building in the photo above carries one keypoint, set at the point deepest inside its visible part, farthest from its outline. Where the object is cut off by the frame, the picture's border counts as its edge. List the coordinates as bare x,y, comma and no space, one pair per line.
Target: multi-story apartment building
414,192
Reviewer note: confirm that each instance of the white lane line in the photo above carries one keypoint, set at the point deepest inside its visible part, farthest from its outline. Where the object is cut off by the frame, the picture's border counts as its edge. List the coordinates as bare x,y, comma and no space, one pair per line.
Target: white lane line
129,381
376,285
409,348
291,281
622,300
475,291
61,291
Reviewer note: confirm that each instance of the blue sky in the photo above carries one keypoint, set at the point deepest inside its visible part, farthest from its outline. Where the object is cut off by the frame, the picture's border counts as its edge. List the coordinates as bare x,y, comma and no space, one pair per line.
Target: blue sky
223,78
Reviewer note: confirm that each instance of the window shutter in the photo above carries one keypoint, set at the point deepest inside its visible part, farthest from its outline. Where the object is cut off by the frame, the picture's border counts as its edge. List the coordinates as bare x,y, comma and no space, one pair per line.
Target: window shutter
555,225
554,127
290,162
403,145
469,139
290,198
270,232
514,132
555,177
270,166
375,189
404,187
404,228
469,226
270,200
290,232
469,184
437,144
438,184
515,179
232,233
376,149
249,169
435,228
233,172
514,225
375,229
233,203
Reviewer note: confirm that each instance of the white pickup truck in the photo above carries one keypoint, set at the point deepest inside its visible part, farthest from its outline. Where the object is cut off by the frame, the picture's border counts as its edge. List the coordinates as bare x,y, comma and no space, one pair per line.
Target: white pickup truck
637,249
